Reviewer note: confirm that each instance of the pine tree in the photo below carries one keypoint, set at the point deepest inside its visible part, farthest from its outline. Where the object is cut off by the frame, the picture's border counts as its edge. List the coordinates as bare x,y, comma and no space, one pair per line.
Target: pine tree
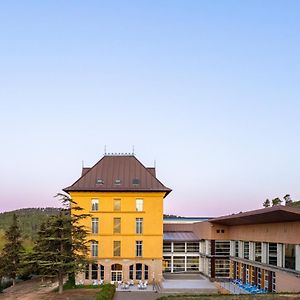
11,255
288,200
266,203
61,248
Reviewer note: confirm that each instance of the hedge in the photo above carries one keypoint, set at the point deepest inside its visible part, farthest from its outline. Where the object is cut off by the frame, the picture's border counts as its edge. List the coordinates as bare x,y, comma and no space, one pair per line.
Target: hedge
107,292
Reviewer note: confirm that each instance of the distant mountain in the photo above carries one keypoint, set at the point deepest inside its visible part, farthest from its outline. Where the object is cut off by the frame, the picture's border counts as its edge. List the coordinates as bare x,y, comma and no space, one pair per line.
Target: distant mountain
30,220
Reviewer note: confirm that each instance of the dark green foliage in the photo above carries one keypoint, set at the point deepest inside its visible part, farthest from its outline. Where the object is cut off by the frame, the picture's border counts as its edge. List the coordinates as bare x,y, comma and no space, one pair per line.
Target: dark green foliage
61,247
276,201
31,220
107,292
294,204
11,255
266,203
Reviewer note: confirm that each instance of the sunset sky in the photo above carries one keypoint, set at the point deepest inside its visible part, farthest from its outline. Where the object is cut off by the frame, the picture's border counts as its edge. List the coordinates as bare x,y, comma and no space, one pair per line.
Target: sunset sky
208,89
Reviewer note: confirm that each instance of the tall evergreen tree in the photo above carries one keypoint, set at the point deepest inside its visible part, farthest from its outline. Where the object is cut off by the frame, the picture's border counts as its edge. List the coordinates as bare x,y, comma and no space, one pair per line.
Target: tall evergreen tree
266,203
11,255
61,248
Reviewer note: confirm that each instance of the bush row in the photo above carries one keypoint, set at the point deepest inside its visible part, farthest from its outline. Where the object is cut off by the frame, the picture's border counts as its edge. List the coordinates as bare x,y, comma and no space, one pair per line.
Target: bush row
107,292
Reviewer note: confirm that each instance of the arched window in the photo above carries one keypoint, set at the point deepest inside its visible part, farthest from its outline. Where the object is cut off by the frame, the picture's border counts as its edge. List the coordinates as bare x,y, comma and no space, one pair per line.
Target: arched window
138,271
116,272
94,271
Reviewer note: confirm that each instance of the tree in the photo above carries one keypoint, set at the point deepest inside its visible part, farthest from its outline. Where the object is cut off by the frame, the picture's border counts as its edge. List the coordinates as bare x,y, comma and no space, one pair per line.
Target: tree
11,256
287,198
266,203
61,248
276,201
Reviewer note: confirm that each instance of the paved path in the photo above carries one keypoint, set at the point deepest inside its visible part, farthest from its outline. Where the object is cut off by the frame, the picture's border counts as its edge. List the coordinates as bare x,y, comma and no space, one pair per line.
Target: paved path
136,296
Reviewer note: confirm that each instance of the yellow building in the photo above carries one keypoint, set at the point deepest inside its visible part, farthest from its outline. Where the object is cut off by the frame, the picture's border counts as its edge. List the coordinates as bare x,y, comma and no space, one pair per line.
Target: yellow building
125,200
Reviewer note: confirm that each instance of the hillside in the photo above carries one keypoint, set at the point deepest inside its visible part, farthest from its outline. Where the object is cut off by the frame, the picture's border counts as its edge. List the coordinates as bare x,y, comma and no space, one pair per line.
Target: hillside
295,204
30,220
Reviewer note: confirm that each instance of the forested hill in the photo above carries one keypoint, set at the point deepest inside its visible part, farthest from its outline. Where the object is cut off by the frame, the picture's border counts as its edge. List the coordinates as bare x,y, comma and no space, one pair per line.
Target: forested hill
295,204
30,220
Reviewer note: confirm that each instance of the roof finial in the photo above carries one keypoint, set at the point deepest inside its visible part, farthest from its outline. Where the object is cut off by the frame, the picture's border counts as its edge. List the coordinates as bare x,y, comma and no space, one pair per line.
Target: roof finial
82,163
132,149
155,163
104,149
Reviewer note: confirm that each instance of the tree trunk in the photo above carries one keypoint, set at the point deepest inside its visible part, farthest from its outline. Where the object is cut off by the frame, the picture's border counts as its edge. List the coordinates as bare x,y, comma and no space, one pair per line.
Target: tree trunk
60,283
14,281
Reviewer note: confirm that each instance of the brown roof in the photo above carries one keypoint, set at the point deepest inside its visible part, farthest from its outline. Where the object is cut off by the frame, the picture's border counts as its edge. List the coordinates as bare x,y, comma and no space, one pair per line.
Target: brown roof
118,173
274,214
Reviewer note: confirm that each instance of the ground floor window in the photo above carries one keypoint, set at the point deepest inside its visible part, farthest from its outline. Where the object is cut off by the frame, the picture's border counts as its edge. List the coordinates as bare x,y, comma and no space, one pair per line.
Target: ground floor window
192,263
167,264
94,271
91,272
222,268
116,272
138,272
178,264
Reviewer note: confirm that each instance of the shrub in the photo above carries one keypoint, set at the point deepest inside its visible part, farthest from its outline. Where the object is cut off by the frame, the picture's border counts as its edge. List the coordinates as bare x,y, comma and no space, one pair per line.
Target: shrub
107,292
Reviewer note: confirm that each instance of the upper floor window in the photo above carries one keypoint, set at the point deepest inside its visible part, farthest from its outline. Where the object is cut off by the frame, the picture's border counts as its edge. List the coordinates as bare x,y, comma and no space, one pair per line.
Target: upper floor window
95,225
246,250
139,204
117,204
94,248
117,248
95,204
139,248
117,225
139,225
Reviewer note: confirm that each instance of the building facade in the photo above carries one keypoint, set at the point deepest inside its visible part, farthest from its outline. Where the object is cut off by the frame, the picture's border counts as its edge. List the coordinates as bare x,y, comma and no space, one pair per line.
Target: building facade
260,247
125,201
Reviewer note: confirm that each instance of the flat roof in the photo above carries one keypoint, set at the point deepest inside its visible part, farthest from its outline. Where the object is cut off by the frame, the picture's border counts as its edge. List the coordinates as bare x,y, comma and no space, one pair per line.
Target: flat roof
274,214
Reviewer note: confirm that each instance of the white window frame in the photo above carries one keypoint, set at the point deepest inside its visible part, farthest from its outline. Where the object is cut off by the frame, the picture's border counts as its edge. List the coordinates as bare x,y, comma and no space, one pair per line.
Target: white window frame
94,248
138,248
139,204
95,225
139,225
95,204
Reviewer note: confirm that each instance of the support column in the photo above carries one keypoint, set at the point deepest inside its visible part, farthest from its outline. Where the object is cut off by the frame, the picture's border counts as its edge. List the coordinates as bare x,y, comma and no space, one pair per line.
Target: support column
232,248
241,249
185,263
264,254
207,244
251,250
172,263
297,257
279,255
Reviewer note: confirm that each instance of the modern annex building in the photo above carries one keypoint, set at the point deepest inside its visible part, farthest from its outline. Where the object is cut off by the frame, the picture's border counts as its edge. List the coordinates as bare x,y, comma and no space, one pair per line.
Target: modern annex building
130,239
125,200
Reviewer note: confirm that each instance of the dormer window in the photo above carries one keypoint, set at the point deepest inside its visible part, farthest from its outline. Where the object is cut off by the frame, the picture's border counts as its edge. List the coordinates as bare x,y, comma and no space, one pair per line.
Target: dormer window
99,181
117,181
135,181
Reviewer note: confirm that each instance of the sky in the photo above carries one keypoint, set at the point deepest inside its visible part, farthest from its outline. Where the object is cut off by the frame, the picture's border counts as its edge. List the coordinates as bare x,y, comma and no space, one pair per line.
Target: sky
207,89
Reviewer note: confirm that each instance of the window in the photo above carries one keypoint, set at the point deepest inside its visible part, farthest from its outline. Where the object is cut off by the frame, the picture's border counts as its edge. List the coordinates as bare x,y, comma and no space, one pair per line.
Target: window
246,250
87,272
273,254
95,225
135,181
139,225
139,248
117,225
167,247
99,181
258,251
118,181
94,248
94,271
116,272
179,247
117,248
178,263
139,204
192,247
146,272
236,248
167,263
131,272
117,204
138,272
95,204
101,268
192,263
222,248
290,258
222,267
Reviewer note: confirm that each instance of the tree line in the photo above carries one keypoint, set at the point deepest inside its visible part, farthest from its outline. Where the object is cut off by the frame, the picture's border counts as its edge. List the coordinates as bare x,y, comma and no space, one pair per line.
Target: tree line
277,201
60,249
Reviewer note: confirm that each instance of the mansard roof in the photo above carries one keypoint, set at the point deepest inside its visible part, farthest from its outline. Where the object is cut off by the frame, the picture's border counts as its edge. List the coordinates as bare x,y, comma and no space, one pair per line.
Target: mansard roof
118,173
